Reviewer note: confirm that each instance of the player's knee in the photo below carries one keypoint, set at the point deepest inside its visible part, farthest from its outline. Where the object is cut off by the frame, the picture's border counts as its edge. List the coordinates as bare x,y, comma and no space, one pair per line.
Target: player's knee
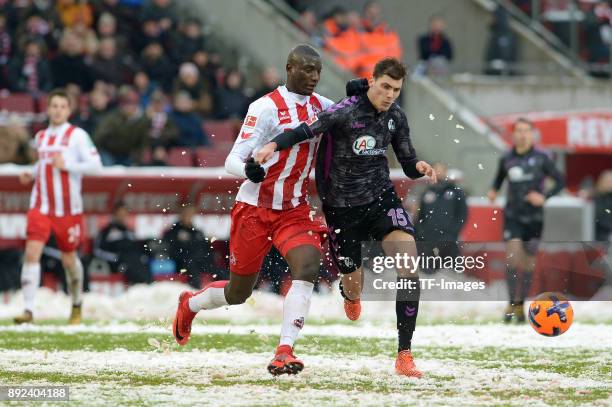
68,261
235,297
31,258
308,270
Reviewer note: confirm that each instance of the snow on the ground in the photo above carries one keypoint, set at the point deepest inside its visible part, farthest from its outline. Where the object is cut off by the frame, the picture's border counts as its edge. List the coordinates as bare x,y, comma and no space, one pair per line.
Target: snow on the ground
327,382
495,335
159,300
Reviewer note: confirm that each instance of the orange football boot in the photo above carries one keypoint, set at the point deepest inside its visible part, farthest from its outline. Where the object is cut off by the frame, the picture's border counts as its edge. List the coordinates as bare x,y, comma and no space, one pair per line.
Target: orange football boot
285,362
181,327
352,309
404,365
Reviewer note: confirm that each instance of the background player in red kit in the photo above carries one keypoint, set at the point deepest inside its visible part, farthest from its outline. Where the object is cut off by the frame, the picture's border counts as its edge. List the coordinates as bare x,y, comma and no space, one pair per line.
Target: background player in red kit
271,208
65,152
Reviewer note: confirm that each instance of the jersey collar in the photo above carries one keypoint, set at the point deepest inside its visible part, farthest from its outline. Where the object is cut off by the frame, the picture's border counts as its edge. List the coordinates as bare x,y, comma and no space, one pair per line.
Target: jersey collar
58,129
293,97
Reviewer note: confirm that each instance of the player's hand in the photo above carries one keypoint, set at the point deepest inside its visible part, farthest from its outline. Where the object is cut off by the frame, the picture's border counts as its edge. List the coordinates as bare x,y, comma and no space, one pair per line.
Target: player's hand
58,162
492,195
535,198
254,171
357,87
428,170
25,178
265,153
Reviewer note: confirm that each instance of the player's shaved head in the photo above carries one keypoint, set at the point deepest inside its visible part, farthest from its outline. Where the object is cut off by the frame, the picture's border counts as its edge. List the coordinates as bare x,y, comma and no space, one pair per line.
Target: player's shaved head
303,69
299,53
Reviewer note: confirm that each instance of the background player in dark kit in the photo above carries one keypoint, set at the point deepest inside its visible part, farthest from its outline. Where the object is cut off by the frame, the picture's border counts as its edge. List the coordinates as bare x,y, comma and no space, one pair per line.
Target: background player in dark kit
526,169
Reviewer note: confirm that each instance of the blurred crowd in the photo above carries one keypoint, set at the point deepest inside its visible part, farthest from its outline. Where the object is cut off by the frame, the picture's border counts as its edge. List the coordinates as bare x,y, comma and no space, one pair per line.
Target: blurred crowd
142,74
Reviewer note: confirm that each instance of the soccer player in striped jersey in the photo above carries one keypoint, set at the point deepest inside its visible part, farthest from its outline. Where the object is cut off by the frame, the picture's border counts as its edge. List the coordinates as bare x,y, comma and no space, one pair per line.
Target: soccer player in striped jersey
271,209
65,153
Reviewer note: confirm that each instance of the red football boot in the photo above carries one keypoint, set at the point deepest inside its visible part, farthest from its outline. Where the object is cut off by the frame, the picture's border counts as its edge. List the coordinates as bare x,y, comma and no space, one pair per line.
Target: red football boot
285,362
352,309
181,327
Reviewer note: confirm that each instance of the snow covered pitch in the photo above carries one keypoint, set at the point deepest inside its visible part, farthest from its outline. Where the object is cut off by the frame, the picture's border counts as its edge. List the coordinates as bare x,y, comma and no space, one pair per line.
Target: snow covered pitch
125,354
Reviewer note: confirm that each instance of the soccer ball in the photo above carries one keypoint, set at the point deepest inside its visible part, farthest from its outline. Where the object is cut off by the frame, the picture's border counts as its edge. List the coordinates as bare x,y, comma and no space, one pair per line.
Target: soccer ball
551,314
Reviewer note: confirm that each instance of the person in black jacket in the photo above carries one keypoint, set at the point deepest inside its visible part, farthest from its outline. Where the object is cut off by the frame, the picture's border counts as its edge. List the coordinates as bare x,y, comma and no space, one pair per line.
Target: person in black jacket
188,247
603,207
442,213
117,245
31,72
502,48
435,48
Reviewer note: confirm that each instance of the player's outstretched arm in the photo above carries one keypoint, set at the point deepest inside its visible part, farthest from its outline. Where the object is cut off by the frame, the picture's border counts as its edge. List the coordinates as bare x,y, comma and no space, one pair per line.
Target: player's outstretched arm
283,141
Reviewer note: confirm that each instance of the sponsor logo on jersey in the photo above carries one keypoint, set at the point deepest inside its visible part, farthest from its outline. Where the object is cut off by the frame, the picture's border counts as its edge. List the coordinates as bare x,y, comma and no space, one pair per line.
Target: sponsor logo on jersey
312,120
244,135
250,121
517,174
283,116
365,145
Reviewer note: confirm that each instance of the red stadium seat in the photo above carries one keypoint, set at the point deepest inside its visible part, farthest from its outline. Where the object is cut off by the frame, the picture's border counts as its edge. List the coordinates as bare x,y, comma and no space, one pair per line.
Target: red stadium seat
221,131
180,157
17,102
210,157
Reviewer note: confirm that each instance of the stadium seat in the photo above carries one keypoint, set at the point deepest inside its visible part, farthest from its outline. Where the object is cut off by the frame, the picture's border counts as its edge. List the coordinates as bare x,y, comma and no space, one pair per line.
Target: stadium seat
180,157
210,157
220,131
17,102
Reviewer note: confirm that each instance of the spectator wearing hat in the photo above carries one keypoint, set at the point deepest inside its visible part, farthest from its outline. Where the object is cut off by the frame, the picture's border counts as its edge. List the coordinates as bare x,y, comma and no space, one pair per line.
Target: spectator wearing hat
124,133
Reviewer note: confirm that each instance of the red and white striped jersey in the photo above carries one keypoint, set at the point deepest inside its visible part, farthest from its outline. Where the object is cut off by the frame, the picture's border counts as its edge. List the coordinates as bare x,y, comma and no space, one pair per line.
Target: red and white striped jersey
58,192
287,173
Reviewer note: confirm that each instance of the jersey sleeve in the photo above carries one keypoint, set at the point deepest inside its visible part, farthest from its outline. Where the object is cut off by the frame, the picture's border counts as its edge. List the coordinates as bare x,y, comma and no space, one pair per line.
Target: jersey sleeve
256,126
333,115
501,175
550,169
86,158
404,150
